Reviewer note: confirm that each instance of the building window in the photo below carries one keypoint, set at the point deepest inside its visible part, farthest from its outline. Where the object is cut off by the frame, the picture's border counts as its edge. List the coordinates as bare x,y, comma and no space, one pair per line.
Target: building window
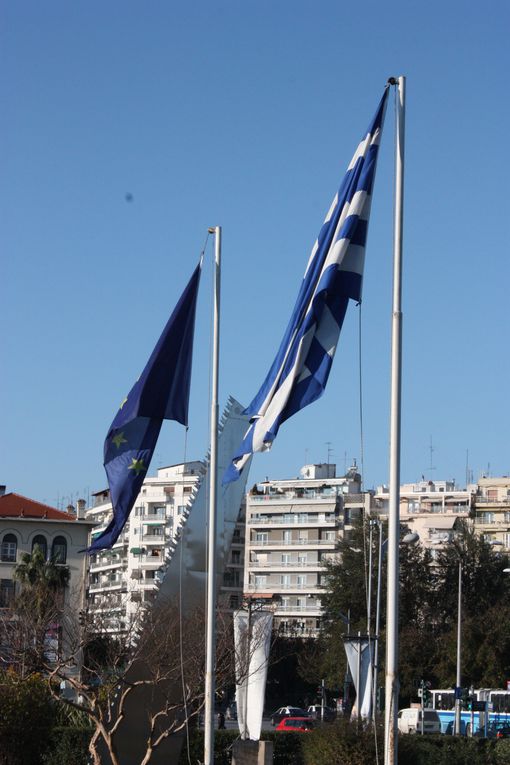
301,580
41,542
285,559
234,601
6,592
59,550
180,509
262,537
285,580
287,536
236,556
9,548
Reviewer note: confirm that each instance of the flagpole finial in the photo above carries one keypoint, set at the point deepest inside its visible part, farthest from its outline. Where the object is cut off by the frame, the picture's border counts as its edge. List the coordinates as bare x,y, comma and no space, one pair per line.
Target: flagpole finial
392,81
211,230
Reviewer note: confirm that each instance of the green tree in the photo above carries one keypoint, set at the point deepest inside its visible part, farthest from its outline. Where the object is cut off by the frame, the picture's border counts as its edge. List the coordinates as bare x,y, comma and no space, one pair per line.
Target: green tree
26,719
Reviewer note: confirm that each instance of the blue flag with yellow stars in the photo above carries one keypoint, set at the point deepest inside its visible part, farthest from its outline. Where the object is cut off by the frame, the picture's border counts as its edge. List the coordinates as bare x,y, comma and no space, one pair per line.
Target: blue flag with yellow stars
160,393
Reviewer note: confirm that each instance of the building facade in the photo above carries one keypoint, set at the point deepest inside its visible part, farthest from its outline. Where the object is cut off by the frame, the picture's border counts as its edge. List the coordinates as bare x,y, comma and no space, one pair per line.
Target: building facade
25,523
120,580
432,509
292,529
492,510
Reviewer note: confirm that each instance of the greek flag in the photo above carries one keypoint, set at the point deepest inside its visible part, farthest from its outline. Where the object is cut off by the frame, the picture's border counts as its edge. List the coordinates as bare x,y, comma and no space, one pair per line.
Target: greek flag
334,273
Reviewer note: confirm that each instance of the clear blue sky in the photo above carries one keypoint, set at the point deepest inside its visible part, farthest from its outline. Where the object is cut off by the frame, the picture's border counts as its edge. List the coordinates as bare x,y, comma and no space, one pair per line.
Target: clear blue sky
246,115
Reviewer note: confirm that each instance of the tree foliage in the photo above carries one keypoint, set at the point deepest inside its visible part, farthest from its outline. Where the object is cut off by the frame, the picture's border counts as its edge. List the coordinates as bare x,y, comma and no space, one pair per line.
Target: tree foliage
427,612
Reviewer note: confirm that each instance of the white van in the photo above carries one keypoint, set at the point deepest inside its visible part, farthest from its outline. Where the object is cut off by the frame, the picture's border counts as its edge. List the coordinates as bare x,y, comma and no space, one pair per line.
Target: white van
409,721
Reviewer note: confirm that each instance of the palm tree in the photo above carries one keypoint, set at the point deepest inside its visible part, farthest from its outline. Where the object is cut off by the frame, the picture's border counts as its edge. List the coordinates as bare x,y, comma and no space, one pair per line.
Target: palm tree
35,571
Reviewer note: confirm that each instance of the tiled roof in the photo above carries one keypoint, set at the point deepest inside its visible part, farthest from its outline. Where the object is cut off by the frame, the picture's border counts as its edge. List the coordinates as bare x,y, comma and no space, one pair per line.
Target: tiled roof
16,506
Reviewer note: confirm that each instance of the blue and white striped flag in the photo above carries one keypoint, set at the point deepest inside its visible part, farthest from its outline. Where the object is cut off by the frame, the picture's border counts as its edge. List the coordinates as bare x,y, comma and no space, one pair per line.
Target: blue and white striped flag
334,273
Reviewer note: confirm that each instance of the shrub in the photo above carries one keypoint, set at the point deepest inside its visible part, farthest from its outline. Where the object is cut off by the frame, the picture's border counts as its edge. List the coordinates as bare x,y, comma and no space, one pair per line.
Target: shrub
341,743
27,717
68,746
287,747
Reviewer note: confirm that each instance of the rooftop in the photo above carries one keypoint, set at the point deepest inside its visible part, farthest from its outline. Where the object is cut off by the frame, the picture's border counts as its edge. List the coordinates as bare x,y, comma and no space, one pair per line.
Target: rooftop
16,506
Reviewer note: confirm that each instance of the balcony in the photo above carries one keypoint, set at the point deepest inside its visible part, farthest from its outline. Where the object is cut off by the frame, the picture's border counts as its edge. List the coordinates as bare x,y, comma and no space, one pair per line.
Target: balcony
487,501
311,520
312,495
107,563
153,538
314,610
151,561
293,542
313,587
276,565
111,586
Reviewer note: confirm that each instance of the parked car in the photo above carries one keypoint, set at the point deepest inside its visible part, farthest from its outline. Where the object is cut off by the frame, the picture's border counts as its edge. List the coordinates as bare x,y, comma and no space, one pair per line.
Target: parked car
295,724
409,721
279,715
315,713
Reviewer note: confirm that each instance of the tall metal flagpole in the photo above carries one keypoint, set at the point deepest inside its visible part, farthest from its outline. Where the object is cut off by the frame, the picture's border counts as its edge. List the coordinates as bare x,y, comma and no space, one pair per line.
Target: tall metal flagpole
392,684
211,547
377,621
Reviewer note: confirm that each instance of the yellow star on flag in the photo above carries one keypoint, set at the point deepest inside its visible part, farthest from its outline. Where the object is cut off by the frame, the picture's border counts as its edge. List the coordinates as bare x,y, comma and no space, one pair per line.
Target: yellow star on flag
137,466
119,439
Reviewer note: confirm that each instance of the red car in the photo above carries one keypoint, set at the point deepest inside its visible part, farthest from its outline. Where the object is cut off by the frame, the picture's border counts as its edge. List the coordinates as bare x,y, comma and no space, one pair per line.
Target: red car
295,724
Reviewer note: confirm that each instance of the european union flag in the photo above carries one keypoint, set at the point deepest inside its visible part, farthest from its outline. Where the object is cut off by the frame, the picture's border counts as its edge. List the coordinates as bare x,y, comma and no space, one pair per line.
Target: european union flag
160,393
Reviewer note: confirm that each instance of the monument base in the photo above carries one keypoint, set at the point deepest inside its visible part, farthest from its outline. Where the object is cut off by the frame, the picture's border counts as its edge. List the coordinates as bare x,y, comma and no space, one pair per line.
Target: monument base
246,752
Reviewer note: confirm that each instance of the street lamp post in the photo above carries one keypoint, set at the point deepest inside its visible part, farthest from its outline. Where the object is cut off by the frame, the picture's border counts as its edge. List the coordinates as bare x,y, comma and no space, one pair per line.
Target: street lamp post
459,650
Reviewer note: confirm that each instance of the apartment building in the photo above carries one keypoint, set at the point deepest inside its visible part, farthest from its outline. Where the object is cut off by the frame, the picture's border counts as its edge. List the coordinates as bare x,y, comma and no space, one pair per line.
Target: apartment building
292,529
123,578
492,510
432,509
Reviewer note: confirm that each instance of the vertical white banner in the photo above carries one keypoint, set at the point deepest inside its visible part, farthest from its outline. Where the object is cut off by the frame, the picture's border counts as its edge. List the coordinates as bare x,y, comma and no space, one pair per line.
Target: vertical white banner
252,639
361,665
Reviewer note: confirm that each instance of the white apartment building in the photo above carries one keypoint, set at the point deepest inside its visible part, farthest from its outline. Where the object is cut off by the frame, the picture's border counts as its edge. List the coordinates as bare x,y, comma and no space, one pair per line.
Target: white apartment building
121,579
292,528
430,508
492,510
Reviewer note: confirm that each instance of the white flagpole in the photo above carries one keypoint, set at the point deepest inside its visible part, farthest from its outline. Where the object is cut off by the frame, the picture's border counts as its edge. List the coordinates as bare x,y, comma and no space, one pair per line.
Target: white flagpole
211,546
392,684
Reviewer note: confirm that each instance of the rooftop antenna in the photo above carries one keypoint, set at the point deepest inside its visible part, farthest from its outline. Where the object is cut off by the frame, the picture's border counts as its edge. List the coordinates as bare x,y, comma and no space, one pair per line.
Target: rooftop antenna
328,444
432,449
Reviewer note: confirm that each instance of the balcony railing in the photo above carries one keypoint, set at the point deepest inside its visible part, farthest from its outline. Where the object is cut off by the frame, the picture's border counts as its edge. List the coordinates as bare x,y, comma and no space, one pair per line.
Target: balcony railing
278,587
291,542
487,501
283,564
298,609
296,521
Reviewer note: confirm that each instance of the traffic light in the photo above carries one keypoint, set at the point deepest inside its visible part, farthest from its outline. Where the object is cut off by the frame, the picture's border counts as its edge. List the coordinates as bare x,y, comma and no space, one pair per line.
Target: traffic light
424,692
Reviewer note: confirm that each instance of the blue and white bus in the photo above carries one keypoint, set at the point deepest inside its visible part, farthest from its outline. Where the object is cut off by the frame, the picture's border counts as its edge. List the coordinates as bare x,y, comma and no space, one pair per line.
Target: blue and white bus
497,704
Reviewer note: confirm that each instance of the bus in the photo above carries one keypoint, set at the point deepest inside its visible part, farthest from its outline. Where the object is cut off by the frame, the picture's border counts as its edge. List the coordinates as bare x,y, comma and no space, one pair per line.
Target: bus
497,706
